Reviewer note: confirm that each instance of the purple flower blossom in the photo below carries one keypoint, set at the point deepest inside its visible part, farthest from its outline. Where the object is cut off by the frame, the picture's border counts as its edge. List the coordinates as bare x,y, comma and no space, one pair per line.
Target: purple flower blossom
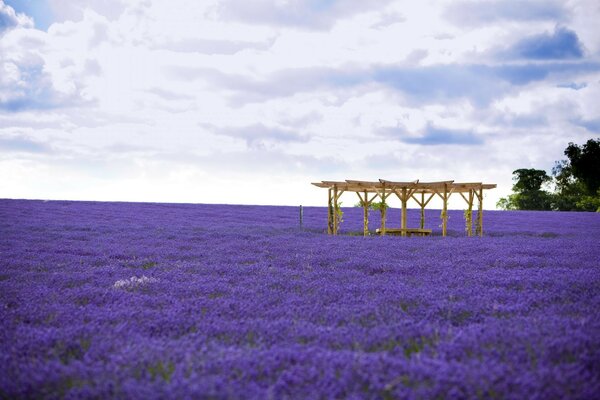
240,302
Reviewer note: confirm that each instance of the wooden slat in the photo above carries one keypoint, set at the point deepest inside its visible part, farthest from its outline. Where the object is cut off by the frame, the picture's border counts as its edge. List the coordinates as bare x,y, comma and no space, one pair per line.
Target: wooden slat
432,185
466,184
417,200
353,188
399,185
406,231
419,186
364,183
463,196
360,197
429,199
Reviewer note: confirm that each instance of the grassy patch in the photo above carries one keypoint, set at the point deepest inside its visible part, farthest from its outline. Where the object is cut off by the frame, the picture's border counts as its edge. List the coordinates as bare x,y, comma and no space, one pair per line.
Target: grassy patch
161,370
549,235
67,352
148,265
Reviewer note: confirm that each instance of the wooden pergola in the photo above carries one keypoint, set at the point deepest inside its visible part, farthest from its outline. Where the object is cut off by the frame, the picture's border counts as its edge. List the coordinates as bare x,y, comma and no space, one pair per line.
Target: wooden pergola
421,192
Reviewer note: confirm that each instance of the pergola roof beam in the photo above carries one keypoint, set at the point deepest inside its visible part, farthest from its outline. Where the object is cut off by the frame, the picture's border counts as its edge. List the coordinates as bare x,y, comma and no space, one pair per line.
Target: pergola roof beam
419,187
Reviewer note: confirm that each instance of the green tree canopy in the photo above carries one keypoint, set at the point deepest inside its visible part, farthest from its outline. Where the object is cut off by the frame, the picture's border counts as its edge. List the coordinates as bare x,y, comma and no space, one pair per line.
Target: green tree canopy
528,193
577,179
568,189
585,164
576,182
529,180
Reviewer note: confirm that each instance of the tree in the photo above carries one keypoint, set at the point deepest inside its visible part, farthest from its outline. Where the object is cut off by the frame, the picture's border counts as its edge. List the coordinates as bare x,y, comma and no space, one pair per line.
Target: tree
576,183
577,180
585,164
568,189
528,193
507,203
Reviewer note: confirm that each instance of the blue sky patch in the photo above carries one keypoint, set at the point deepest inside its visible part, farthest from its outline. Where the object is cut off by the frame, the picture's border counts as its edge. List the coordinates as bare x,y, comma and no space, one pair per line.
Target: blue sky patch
433,136
474,13
22,144
572,85
592,125
563,44
39,10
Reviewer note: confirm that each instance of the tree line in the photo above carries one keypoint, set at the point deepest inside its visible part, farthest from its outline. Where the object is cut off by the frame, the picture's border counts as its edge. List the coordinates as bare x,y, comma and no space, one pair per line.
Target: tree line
573,186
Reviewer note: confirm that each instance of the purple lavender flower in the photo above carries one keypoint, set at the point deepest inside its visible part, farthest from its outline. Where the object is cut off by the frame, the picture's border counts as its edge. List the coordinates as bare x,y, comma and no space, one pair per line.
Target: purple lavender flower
104,300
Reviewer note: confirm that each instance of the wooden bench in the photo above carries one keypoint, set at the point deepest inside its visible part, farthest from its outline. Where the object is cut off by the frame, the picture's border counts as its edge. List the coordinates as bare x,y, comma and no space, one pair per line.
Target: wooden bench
408,231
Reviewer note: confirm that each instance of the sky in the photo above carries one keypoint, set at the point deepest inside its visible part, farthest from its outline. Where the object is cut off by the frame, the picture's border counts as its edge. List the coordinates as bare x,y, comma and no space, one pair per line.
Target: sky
248,102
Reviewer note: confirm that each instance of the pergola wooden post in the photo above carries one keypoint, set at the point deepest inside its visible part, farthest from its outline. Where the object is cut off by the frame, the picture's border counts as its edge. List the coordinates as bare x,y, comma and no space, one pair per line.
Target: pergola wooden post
330,212
479,228
383,195
406,194
404,207
445,211
445,196
423,203
365,204
469,212
335,209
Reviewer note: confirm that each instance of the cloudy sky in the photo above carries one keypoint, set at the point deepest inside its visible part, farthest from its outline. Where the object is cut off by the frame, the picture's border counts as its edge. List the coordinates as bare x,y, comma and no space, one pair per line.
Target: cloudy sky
231,101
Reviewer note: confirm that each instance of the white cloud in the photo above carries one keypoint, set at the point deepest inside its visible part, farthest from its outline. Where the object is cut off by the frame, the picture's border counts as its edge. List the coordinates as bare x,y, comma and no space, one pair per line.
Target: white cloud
157,101
312,14
9,19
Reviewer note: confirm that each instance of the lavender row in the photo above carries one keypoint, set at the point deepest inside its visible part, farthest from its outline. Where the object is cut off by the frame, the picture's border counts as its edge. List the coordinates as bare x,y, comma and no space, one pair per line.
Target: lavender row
177,301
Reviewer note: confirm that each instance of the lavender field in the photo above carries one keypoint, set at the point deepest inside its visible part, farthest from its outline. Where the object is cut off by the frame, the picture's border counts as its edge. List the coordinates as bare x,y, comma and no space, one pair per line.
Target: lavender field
125,300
